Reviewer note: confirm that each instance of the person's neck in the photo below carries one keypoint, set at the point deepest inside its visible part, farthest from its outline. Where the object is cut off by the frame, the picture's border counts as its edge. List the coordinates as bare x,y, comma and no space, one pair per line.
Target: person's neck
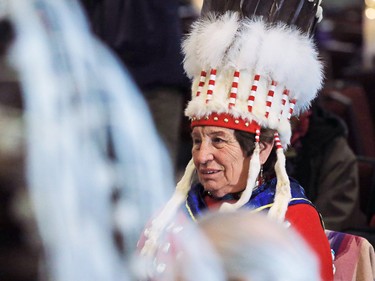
230,196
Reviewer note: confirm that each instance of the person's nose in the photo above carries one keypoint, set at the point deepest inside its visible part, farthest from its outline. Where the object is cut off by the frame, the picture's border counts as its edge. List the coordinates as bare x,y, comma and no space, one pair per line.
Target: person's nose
205,152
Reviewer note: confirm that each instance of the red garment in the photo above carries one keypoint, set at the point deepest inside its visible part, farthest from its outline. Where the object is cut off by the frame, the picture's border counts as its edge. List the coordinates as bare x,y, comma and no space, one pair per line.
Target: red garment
306,221
303,218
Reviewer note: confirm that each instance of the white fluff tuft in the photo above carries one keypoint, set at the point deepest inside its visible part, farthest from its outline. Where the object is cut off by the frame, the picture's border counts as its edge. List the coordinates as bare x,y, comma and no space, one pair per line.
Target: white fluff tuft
285,132
319,13
283,194
272,60
244,52
216,36
254,170
293,63
169,211
311,80
192,65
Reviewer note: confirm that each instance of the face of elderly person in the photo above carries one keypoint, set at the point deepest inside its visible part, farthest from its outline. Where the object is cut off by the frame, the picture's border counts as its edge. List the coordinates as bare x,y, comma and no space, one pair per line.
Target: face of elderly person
221,163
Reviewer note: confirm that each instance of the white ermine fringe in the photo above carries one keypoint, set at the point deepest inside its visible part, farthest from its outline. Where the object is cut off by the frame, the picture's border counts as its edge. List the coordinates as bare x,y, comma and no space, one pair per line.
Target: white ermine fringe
254,169
168,212
283,194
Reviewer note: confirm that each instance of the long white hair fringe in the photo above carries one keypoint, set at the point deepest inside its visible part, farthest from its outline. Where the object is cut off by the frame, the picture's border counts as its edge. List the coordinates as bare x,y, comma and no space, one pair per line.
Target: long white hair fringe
283,194
168,212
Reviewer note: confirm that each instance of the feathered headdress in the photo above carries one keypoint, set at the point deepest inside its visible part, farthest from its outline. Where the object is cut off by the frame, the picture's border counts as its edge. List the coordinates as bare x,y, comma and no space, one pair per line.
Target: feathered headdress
253,65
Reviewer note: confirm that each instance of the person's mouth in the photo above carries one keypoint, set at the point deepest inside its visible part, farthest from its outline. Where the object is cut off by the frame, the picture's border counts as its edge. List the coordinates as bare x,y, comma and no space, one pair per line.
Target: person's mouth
209,171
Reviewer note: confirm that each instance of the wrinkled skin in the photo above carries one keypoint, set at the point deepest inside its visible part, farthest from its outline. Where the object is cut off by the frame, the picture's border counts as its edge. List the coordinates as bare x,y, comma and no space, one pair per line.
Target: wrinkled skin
222,166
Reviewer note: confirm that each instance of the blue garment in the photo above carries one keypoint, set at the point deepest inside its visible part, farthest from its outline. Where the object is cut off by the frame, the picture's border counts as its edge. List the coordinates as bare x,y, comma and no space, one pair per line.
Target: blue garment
261,198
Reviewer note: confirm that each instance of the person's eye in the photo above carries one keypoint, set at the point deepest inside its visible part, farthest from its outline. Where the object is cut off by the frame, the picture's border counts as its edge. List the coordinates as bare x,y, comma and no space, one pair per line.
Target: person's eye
196,141
218,140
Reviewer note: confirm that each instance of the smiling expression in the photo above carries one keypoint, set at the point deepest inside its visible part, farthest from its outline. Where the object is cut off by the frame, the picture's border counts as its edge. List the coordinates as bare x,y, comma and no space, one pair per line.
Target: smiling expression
221,165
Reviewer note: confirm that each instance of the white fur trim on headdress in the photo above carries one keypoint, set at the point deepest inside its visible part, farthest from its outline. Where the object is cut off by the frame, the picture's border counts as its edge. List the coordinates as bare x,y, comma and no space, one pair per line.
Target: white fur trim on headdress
205,47
243,54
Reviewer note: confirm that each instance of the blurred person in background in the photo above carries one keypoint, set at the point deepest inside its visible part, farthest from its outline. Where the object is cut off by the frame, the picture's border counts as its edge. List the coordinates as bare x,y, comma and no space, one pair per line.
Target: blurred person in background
321,159
253,248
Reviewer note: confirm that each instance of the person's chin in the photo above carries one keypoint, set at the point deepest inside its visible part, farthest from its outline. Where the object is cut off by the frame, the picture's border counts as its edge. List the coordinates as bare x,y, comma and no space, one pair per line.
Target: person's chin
214,190
218,194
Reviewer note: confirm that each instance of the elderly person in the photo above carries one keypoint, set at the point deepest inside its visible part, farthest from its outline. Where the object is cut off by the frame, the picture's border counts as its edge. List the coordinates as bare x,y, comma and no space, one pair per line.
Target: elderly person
221,157
252,68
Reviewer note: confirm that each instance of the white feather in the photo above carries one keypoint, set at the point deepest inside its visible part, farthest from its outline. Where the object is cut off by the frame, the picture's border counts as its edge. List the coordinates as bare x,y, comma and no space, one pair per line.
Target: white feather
192,65
216,36
271,59
310,74
244,52
307,70
291,59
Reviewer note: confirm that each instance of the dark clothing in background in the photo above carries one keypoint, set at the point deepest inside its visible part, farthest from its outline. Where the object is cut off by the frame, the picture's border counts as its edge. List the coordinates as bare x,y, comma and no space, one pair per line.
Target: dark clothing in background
146,35
324,128
327,168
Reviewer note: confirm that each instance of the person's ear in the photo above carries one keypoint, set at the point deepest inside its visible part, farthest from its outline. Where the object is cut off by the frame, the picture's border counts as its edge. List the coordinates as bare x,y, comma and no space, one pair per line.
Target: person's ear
265,151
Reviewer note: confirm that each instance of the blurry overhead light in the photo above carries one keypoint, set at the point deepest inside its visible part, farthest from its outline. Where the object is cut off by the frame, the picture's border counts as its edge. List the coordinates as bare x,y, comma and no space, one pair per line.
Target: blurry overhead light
198,3
370,13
